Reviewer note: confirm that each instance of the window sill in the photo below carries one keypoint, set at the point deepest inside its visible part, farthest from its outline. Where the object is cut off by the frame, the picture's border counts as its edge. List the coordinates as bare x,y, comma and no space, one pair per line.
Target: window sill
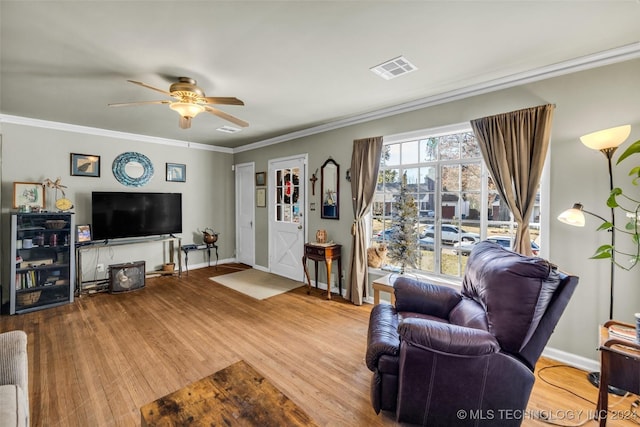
429,278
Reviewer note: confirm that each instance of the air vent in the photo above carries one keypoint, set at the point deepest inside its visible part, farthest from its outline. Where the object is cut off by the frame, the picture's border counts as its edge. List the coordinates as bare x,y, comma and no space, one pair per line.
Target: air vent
394,68
228,129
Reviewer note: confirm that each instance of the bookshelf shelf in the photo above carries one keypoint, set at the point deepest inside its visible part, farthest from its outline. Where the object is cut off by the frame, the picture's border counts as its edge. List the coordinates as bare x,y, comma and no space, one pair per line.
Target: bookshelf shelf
42,268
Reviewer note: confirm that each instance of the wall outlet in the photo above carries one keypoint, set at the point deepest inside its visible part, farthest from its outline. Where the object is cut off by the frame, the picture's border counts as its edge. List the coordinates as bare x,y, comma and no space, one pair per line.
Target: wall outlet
100,268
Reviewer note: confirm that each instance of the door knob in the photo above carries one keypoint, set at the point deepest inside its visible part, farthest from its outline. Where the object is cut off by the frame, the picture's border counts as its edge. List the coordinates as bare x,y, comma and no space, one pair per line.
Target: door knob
300,227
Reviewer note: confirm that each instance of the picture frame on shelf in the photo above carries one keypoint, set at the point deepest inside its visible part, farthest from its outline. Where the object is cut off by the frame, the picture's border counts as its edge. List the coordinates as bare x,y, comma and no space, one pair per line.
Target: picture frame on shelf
85,165
83,233
29,194
261,179
261,197
176,172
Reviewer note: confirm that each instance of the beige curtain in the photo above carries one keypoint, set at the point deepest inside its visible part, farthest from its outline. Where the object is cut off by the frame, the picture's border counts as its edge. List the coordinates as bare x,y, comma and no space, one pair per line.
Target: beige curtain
365,163
514,146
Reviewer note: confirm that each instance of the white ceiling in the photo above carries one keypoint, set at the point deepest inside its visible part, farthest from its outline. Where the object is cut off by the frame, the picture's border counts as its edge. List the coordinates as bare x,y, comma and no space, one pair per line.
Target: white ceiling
296,64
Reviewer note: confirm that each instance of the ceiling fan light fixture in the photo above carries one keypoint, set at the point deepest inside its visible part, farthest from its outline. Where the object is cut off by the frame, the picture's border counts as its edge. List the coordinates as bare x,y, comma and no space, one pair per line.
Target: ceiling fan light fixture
189,102
186,109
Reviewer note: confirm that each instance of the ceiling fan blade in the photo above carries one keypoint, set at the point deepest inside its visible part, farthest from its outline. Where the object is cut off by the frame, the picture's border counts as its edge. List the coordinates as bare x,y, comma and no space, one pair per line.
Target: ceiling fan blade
127,104
185,122
226,116
226,100
150,87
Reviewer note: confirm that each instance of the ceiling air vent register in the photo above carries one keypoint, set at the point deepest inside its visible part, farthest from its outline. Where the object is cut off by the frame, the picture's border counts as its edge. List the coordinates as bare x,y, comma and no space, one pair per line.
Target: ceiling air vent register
394,68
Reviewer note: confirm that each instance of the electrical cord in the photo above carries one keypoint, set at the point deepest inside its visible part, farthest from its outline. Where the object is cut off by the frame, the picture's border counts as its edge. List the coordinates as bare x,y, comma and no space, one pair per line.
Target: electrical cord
548,420
543,416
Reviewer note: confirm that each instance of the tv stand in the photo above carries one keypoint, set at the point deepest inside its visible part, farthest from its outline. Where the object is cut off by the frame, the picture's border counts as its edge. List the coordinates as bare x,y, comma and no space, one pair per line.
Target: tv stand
91,286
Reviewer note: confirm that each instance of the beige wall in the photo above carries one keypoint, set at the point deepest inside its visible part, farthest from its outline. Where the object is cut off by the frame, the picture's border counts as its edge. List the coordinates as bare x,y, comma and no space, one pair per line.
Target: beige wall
586,101
32,154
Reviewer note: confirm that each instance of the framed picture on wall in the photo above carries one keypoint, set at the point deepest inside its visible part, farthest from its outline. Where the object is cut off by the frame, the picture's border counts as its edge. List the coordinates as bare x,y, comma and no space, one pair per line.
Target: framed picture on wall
261,197
85,165
261,179
28,194
176,172
83,233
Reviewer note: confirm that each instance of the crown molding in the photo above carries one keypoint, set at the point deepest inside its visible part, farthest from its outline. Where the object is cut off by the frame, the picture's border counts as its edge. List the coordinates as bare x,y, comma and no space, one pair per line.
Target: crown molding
66,127
611,56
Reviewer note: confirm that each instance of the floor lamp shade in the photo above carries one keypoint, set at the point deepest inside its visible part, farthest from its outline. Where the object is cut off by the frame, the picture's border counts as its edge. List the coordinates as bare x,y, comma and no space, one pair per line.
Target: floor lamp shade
607,138
573,216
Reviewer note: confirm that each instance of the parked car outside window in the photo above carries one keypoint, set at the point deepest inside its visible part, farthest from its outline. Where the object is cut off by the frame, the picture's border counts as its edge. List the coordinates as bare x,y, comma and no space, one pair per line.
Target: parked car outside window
506,242
451,234
425,243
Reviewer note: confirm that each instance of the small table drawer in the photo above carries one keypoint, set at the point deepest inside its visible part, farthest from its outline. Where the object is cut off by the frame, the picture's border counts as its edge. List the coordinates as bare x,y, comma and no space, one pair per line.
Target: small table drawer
313,250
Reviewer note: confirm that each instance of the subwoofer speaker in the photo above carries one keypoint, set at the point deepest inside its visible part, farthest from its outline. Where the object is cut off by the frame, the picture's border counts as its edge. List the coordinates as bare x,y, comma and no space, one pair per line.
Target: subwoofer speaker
126,277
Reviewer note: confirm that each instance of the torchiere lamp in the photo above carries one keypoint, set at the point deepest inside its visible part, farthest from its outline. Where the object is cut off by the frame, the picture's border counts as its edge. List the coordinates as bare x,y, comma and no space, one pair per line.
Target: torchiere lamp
575,217
606,141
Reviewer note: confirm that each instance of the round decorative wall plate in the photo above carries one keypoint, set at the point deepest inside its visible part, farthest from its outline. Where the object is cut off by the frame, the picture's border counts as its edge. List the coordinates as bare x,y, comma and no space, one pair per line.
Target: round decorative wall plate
132,169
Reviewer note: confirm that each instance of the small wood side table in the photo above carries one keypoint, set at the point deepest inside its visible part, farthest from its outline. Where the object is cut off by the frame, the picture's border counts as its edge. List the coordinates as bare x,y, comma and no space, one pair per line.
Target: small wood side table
384,284
327,253
619,367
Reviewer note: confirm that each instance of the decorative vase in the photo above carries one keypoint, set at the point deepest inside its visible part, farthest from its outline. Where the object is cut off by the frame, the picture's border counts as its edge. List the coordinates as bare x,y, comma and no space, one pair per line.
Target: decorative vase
321,236
209,239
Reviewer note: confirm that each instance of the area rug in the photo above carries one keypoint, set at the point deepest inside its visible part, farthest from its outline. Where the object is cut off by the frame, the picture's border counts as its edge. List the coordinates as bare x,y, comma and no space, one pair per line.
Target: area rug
237,395
257,284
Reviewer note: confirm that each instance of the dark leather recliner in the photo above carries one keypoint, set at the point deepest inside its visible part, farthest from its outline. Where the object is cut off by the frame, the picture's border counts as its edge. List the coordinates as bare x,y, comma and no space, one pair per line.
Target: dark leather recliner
443,358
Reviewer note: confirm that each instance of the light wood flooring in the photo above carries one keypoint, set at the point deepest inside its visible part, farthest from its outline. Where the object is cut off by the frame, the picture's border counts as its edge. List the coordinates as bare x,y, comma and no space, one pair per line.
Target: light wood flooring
97,361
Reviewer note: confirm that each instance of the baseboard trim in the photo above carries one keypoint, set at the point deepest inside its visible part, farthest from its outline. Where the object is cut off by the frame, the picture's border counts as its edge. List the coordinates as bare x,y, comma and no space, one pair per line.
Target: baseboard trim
206,264
571,359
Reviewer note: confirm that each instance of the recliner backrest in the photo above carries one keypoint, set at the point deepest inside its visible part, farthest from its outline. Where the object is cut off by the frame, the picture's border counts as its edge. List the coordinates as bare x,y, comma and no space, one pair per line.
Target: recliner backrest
514,290
534,347
470,314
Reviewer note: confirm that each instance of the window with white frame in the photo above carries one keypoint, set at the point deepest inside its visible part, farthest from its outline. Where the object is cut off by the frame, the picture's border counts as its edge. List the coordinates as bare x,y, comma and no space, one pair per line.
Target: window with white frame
458,205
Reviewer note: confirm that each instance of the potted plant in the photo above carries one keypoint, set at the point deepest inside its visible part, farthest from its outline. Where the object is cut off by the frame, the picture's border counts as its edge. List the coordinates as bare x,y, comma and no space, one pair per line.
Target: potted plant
618,199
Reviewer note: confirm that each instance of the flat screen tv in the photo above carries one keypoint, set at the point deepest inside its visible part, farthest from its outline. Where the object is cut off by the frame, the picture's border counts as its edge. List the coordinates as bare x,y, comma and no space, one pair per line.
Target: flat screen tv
117,215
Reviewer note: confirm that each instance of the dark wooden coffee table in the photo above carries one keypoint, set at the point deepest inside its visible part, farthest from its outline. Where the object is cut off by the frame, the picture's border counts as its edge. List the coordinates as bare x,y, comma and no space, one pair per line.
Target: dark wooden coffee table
236,395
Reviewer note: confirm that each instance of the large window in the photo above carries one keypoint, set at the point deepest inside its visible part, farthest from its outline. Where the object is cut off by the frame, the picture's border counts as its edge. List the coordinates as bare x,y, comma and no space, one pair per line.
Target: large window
456,199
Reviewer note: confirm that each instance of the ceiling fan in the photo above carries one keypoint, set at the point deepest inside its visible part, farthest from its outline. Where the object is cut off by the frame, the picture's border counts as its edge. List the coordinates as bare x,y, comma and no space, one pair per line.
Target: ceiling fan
190,101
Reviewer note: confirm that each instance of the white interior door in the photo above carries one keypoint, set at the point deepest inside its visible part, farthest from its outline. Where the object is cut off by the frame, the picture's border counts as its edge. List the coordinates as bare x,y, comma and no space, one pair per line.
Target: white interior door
245,212
287,214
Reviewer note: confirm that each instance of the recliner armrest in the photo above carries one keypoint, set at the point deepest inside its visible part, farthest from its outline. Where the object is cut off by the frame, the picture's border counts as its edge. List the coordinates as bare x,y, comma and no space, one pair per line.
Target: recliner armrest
447,338
13,359
382,337
425,298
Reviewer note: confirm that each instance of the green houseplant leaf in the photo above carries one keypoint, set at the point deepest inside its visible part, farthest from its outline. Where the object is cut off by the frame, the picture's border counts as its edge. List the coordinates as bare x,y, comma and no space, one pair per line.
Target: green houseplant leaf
632,149
611,201
604,251
605,226
635,171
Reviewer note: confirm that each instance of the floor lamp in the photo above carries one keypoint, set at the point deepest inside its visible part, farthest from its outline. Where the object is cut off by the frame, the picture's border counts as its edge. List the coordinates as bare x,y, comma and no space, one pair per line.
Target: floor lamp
606,141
